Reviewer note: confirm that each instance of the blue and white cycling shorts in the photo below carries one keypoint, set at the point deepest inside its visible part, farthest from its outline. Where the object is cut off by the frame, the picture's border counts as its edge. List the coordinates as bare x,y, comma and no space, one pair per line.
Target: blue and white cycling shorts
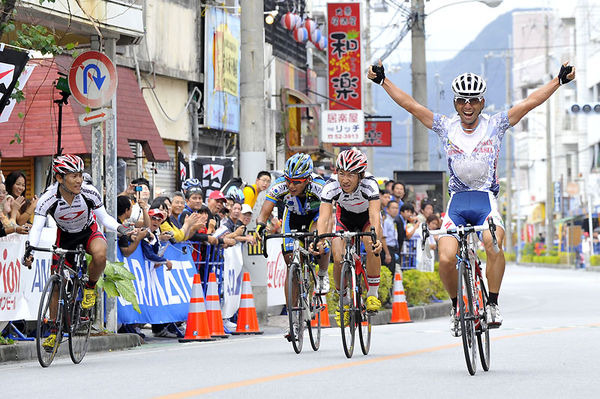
472,207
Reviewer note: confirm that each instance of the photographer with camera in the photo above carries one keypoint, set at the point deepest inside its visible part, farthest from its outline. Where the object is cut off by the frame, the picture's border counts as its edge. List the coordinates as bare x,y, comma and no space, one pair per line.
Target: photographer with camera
138,192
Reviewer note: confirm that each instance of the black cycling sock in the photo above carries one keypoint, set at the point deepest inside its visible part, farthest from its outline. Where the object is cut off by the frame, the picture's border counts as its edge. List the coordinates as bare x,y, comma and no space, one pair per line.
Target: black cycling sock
90,284
454,302
493,298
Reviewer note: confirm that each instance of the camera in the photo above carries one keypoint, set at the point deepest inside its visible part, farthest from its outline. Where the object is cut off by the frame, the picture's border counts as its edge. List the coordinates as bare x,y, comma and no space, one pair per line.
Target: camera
138,188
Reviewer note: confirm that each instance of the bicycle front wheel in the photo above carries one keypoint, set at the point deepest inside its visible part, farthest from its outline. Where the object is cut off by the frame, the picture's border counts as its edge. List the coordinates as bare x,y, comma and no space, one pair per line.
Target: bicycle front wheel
49,321
294,307
483,333
363,319
348,308
313,323
467,316
80,324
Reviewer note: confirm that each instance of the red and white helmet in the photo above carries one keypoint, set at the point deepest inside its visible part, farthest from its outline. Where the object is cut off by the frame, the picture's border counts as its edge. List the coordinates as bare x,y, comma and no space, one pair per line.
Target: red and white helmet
64,164
351,161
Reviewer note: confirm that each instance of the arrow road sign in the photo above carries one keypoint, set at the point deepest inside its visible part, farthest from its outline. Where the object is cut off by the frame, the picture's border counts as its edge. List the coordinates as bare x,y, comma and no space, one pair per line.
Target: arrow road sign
95,116
93,79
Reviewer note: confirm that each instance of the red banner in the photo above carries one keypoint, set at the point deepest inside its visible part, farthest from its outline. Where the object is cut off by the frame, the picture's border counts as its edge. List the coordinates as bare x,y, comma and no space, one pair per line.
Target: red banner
377,134
344,56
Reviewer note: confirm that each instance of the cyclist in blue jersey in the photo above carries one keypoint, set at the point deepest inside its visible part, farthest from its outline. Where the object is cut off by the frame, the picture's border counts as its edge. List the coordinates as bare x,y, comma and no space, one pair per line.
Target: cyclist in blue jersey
300,190
472,143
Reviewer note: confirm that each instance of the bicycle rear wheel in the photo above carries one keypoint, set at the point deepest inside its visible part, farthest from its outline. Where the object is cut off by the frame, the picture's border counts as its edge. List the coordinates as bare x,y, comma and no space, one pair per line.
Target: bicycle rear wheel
294,307
46,324
315,303
467,316
80,324
348,308
483,334
362,316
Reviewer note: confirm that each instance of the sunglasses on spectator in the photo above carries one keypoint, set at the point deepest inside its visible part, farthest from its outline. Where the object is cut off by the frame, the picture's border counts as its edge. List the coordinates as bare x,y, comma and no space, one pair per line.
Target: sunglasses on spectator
467,100
294,181
157,218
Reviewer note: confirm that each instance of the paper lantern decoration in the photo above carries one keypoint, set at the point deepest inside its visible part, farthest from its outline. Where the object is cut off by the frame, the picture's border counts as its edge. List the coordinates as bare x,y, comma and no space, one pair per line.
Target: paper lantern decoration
288,21
298,21
315,36
322,43
310,26
300,35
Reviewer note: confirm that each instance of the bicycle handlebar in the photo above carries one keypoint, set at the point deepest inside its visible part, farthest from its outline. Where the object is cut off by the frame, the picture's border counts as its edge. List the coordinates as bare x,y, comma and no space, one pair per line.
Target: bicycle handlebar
461,230
349,235
297,235
54,250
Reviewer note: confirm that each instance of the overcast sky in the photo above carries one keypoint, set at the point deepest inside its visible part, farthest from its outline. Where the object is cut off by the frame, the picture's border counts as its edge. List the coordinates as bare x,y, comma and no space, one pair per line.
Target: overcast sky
451,28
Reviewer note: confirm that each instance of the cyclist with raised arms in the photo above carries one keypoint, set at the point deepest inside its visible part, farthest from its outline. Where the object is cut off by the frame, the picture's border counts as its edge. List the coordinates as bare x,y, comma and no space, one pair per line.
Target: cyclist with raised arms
300,190
74,204
472,142
356,194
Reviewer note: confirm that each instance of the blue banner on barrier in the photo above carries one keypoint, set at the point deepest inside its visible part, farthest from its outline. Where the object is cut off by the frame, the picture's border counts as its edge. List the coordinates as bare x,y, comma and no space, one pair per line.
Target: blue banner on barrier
163,295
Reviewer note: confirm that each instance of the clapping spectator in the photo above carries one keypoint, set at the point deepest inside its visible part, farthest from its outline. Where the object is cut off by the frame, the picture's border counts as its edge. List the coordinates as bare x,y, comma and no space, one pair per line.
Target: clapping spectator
128,243
16,186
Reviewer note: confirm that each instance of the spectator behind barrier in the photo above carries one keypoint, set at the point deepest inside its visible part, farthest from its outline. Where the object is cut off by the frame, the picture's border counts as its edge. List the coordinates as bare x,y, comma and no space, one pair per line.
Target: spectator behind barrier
138,192
384,198
8,212
16,187
425,212
263,181
128,244
179,234
399,192
389,186
216,202
390,232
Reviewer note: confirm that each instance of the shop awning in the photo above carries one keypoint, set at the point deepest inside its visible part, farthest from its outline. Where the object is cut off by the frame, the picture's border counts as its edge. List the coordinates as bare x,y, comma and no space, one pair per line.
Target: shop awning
38,128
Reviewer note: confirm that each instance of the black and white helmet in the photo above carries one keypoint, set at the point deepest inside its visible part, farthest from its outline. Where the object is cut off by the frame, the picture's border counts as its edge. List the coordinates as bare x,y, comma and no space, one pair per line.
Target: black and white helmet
468,85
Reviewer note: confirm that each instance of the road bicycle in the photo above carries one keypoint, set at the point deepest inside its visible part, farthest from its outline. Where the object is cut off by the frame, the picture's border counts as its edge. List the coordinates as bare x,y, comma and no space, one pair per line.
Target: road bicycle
303,304
353,286
471,291
60,310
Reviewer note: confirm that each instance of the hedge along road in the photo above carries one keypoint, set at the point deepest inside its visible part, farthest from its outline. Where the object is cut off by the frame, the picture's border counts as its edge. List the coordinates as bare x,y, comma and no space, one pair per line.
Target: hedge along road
547,348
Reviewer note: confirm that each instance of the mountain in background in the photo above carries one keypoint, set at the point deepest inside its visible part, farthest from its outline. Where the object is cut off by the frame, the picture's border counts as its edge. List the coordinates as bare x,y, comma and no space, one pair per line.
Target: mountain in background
492,42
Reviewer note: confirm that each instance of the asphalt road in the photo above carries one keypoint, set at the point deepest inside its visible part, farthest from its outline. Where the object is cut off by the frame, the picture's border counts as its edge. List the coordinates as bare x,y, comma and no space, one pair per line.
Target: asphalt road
548,347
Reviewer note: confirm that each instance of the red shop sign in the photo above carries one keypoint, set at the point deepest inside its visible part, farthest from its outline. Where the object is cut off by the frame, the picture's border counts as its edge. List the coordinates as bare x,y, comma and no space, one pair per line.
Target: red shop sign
377,134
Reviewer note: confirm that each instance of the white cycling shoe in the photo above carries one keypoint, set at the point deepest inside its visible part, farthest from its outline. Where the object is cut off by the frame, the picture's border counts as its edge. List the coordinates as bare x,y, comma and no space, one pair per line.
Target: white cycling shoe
494,318
454,324
322,285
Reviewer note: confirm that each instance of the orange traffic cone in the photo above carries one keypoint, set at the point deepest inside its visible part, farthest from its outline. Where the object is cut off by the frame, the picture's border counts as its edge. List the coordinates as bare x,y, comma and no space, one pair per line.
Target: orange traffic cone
247,322
399,306
324,315
197,322
213,309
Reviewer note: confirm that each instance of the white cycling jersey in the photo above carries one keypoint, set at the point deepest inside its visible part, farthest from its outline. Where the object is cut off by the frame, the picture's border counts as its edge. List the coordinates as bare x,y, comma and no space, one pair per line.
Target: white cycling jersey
357,201
472,157
74,217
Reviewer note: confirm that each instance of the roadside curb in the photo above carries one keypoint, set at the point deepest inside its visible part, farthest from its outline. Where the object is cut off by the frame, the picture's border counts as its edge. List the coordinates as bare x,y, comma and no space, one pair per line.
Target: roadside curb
26,350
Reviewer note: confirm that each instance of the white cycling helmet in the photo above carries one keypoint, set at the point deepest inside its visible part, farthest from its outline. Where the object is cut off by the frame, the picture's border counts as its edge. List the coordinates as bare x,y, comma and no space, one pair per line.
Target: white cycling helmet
468,85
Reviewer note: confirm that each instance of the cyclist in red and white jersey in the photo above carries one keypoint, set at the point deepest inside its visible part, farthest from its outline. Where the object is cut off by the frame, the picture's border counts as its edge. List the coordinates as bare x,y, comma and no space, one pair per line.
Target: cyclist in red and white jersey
356,195
75,204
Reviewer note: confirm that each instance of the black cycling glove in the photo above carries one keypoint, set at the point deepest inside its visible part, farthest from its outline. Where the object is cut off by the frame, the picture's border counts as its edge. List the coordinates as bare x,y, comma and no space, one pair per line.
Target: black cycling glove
562,75
380,72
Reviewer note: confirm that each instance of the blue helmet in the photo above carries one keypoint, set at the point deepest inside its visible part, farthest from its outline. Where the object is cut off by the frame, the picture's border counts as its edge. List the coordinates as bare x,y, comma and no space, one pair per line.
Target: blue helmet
236,194
191,183
298,166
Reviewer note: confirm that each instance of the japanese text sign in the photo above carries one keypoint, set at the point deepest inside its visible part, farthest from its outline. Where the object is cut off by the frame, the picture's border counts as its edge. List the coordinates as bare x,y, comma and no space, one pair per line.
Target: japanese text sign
343,126
377,134
344,56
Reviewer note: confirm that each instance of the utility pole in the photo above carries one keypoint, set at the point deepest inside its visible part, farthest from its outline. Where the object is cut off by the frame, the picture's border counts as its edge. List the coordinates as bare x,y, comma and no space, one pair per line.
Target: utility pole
419,85
367,88
253,157
549,185
509,158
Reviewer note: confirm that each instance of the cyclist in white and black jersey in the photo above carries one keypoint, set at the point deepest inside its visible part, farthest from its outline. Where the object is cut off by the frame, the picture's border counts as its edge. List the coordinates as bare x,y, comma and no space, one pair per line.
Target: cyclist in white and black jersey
472,143
75,205
356,197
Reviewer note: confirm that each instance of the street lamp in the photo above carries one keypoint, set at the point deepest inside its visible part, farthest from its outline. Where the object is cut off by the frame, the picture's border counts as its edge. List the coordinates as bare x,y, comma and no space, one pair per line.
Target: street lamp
419,75
270,15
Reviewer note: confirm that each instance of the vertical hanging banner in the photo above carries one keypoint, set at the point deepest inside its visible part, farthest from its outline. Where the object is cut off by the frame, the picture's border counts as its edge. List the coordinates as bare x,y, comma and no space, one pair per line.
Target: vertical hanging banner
222,71
183,167
213,172
344,56
12,62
